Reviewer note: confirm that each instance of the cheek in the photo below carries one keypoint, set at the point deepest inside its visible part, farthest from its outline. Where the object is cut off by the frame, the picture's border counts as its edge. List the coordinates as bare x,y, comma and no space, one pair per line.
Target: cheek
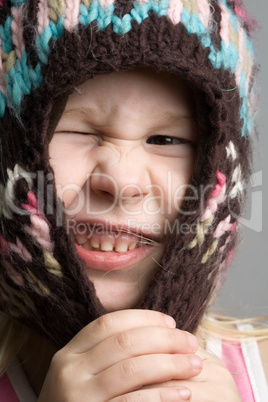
173,177
70,166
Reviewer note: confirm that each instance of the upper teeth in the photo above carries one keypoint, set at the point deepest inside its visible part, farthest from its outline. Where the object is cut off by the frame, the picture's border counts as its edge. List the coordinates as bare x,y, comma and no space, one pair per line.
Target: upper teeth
107,243
119,241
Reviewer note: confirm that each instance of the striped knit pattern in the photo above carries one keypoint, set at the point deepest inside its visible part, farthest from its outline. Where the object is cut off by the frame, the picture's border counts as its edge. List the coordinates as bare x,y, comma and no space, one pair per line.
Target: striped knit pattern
18,77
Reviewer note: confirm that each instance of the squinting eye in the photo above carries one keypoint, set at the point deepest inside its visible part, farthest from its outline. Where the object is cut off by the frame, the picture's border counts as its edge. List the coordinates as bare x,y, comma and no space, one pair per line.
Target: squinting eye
166,140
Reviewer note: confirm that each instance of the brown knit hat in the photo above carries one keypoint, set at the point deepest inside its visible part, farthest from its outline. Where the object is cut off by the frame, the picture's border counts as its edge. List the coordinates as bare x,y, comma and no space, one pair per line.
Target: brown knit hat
49,47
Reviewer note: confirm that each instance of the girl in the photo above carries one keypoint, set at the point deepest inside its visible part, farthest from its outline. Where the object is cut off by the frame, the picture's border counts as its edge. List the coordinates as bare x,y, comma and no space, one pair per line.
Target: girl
124,156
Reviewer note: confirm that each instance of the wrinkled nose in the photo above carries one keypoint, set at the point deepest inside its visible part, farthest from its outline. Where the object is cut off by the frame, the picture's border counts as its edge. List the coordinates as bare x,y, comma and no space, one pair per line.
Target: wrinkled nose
120,180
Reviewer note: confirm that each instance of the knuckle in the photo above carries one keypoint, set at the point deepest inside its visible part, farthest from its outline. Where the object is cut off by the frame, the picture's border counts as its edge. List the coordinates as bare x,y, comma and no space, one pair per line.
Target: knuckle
125,341
62,369
105,323
58,360
128,369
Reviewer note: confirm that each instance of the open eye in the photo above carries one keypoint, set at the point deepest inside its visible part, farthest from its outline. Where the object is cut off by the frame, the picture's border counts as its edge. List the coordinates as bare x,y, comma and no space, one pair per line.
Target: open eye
166,140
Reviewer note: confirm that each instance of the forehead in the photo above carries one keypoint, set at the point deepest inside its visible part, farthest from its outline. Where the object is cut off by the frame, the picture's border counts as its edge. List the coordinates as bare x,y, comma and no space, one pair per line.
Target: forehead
136,89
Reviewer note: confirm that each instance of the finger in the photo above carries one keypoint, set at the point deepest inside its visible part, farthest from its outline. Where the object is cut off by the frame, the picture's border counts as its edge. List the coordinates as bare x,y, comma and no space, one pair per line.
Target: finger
139,341
131,374
206,391
156,395
112,323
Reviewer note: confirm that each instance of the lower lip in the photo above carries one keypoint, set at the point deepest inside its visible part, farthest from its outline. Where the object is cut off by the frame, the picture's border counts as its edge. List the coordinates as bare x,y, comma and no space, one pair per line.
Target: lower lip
111,260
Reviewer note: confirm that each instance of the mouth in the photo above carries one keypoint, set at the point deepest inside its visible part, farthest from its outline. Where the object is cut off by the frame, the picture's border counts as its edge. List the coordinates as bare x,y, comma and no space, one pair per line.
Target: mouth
113,249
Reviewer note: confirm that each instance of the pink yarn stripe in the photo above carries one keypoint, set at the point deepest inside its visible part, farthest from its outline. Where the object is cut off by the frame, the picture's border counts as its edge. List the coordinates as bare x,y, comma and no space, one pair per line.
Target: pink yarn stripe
174,11
32,199
225,20
71,14
223,227
233,227
221,181
37,235
39,228
204,11
218,195
7,392
1,3
40,231
17,30
42,16
230,257
30,208
106,3
233,359
239,11
32,205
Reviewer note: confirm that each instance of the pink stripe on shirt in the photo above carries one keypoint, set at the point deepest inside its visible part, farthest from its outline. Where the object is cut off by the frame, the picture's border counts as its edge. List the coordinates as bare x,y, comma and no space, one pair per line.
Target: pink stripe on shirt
233,359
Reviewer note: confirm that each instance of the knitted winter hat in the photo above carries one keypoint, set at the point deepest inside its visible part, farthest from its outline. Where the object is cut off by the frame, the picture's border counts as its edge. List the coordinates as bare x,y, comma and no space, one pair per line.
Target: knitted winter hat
47,48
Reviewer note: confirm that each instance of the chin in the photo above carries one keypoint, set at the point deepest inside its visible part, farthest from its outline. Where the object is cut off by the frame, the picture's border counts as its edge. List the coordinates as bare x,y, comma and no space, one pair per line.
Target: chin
111,305
115,295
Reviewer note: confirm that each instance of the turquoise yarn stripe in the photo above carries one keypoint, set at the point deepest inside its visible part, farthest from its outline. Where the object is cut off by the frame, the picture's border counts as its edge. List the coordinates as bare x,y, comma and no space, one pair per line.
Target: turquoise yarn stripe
244,112
105,16
2,104
6,35
227,57
53,30
17,2
22,77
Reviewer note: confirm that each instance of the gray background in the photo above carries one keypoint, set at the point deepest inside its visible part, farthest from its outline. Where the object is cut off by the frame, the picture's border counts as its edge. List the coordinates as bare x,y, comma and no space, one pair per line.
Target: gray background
245,291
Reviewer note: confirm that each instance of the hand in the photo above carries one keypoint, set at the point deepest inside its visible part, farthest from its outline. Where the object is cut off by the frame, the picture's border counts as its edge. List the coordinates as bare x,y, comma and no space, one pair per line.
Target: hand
214,384
112,358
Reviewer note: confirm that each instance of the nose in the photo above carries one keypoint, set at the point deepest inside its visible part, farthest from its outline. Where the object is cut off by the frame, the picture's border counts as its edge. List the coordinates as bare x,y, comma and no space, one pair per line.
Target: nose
121,178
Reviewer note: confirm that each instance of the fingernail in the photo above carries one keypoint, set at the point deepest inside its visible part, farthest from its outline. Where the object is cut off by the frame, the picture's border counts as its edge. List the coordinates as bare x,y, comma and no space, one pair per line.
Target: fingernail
193,342
171,323
196,362
185,393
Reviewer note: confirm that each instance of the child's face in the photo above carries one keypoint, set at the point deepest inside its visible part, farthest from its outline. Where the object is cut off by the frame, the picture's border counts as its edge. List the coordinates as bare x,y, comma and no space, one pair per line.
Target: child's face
123,154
